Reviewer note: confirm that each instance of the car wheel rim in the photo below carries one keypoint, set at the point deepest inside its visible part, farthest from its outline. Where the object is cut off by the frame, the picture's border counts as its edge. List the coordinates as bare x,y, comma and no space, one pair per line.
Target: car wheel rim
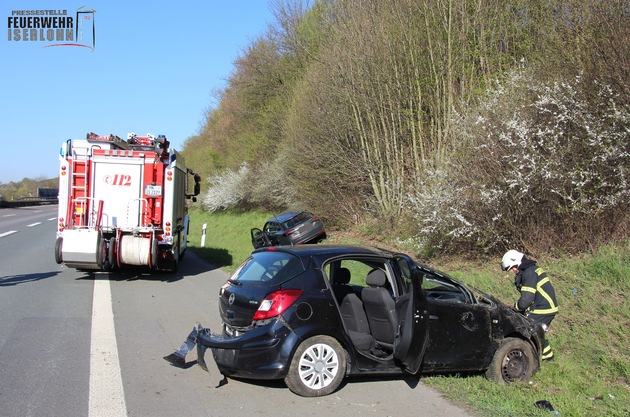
514,366
319,365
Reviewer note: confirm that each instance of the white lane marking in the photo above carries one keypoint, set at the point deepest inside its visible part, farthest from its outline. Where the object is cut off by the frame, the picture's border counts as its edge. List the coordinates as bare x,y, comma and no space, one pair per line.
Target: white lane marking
107,396
10,232
52,218
33,224
9,215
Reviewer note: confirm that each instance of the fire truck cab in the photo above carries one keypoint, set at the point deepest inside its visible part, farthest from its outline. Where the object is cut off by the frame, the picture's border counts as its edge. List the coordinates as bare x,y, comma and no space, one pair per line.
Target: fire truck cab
122,203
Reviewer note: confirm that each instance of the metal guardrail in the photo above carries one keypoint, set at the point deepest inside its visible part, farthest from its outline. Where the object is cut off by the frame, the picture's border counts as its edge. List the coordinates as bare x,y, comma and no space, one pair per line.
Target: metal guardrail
28,201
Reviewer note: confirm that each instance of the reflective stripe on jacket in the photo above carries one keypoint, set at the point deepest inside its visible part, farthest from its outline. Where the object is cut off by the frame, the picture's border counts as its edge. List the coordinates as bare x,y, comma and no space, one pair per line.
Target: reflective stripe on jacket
537,294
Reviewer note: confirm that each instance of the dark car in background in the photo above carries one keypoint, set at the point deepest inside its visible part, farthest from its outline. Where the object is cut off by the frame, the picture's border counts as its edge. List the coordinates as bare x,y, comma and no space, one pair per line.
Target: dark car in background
290,228
314,314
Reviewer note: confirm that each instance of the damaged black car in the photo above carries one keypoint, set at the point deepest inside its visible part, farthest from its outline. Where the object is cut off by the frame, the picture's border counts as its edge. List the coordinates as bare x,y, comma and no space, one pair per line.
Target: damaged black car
314,314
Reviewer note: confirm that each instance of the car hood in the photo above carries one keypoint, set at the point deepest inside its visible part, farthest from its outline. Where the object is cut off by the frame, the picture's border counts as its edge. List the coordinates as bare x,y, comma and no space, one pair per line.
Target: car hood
511,320
485,297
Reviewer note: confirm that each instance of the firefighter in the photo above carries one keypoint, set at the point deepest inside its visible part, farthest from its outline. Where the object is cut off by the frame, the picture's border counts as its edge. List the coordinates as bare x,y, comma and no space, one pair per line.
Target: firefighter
538,298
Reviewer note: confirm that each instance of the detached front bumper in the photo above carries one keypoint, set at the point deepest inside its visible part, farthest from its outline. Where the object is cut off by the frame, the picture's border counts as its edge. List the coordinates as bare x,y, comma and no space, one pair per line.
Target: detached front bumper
260,353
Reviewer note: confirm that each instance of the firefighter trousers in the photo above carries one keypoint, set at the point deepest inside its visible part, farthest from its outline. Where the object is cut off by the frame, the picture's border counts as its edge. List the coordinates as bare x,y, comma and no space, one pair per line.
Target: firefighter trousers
546,319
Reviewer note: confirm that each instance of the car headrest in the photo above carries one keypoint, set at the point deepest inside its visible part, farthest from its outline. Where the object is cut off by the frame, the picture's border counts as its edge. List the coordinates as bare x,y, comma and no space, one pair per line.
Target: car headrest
376,278
342,276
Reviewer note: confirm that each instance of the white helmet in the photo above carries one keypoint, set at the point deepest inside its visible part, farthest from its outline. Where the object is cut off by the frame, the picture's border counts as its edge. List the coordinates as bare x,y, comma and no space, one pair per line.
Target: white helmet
511,259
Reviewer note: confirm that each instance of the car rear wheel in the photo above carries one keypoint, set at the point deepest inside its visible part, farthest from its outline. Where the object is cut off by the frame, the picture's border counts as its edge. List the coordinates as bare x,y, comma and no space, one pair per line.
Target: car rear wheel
317,368
512,362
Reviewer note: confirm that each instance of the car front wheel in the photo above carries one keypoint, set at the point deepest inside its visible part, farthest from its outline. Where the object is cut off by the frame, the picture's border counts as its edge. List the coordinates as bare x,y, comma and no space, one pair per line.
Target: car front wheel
317,368
512,362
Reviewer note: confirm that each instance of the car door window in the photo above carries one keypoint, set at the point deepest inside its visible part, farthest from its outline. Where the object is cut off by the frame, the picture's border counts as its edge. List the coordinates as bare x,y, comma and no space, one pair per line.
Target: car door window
272,227
359,270
437,289
405,275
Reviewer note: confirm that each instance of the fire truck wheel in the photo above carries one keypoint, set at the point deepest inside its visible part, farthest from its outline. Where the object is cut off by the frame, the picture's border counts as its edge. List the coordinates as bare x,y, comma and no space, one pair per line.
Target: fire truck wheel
58,248
112,253
179,247
101,253
174,263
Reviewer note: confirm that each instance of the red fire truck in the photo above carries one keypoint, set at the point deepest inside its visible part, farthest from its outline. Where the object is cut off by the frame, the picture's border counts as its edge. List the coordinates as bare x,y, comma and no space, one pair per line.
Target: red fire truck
122,203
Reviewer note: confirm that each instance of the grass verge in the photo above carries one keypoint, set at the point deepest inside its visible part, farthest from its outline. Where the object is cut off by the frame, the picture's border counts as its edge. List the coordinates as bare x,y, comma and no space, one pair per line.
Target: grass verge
590,335
228,242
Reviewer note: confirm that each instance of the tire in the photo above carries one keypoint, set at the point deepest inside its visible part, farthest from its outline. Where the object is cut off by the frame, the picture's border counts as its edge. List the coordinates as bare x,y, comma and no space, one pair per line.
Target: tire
174,265
317,368
185,237
181,252
112,253
58,250
513,361
101,253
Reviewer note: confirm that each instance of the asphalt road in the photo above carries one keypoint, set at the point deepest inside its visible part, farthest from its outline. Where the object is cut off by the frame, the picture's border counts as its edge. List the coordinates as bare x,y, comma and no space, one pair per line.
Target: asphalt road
58,359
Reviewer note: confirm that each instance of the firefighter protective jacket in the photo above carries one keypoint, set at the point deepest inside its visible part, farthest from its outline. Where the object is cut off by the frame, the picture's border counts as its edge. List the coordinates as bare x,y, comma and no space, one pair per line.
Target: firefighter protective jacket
537,293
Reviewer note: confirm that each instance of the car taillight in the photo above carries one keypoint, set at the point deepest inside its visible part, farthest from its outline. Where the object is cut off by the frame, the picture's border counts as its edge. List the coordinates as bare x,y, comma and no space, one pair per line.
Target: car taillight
275,303
290,231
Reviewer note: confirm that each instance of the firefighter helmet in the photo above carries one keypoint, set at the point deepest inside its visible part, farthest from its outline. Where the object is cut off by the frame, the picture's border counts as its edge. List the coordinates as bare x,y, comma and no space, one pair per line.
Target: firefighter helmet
511,259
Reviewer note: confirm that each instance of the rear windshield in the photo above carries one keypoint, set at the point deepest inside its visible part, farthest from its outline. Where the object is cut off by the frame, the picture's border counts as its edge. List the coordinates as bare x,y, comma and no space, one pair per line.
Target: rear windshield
300,218
268,268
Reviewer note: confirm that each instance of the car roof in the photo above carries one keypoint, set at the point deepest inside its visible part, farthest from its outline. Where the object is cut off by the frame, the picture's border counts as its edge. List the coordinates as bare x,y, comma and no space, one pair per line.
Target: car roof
332,250
329,250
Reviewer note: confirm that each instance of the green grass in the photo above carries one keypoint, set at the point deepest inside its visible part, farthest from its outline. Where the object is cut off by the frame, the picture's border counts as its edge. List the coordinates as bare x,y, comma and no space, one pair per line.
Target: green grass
590,336
228,242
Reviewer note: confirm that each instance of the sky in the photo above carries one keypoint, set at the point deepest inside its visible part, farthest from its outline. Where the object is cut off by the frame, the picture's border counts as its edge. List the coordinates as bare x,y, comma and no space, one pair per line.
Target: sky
150,67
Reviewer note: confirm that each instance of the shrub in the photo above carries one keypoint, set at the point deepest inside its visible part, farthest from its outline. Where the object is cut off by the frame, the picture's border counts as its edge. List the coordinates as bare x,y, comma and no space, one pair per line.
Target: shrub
538,166
264,186
227,189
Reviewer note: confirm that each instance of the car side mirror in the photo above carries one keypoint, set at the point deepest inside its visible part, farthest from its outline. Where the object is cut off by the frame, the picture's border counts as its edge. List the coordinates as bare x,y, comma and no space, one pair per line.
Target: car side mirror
197,188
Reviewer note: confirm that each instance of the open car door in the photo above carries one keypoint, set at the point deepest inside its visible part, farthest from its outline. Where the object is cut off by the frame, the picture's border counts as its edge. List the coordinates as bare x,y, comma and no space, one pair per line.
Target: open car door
259,238
413,316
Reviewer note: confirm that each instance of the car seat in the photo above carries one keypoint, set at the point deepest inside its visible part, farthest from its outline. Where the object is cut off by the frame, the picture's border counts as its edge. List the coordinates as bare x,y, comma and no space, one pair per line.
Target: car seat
340,281
356,322
380,309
